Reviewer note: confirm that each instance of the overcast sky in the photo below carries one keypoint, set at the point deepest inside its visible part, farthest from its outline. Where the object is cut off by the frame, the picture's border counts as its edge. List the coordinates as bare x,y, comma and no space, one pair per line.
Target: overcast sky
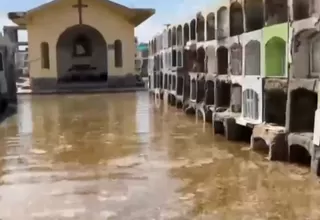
167,11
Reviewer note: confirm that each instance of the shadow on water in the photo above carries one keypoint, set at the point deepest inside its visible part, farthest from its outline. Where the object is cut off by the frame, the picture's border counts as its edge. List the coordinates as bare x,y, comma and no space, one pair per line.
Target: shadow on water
120,156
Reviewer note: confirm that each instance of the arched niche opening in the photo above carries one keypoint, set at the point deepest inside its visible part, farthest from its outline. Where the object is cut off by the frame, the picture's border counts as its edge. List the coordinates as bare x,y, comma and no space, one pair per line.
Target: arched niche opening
186,30
174,83
252,58
223,94
211,59
179,35
180,85
193,60
174,58
193,29
236,98
200,27
169,38
275,106
174,36
161,80
299,155
211,32
201,55
186,87
276,11
236,59
180,58
301,9
236,19
305,52
254,12
170,82
250,99
315,56
275,57
222,23
166,81
302,110
193,89
222,60
209,92
200,89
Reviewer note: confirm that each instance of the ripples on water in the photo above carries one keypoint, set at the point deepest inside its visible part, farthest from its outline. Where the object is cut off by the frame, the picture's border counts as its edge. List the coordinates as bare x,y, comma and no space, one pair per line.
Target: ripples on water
118,156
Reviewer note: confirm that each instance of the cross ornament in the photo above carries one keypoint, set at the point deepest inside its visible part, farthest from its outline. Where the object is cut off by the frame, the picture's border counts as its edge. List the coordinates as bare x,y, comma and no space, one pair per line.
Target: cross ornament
80,6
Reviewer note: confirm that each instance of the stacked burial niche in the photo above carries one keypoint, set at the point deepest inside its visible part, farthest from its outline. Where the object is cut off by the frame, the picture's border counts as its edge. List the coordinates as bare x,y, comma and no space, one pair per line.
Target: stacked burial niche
186,37
236,19
301,9
180,85
193,89
250,104
174,36
252,58
200,89
236,59
200,27
201,55
236,98
211,26
169,38
222,60
209,92
223,95
254,12
179,36
276,12
193,29
222,28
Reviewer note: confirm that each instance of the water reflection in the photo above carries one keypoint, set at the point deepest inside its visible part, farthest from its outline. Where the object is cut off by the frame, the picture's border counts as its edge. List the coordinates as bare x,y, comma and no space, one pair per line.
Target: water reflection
119,156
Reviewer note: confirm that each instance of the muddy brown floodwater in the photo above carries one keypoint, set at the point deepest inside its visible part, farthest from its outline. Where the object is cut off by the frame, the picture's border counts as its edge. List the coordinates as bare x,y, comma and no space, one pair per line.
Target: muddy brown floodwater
119,156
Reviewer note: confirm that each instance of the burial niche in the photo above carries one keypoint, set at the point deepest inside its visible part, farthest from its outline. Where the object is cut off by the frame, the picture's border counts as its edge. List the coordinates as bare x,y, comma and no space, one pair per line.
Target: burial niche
193,89
299,155
210,26
161,80
174,58
201,59
170,82
315,56
180,85
193,29
81,54
186,87
223,94
180,58
301,9
169,38
174,83
252,58
275,57
186,33
201,89
209,92
254,12
276,11
236,98
174,36
275,106
179,35
236,19
200,27
250,99
222,22
236,59
222,60
166,83
302,110
211,59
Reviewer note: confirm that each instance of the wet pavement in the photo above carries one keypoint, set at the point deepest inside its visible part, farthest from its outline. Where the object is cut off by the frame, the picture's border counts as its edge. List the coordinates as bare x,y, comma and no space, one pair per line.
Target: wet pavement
119,156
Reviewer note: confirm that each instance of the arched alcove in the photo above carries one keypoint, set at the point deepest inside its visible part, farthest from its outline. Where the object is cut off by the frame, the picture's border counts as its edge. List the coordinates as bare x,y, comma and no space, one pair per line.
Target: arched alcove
302,110
236,98
250,99
211,26
166,81
169,38
186,87
275,57
209,92
174,83
180,85
299,155
186,33
252,58
276,11
236,19
223,94
161,80
200,89
236,59
174,36
222,60
254,12
201,59
179,35
200,27
193,89
222,28
275,101
193,29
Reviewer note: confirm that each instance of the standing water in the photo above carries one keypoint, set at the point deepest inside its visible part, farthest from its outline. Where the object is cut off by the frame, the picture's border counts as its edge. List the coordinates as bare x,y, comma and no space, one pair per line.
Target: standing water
119,156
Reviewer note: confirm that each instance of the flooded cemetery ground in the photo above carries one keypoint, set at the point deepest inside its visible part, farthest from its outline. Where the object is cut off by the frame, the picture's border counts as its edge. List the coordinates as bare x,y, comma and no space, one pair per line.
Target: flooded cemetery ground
119,156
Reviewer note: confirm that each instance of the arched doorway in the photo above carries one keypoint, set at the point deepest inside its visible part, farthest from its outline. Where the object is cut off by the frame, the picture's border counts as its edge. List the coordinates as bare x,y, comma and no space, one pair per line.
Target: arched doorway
81,55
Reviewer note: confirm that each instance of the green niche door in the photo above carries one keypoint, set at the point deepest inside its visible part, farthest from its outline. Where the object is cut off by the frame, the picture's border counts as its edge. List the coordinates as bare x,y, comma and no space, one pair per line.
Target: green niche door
275,57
